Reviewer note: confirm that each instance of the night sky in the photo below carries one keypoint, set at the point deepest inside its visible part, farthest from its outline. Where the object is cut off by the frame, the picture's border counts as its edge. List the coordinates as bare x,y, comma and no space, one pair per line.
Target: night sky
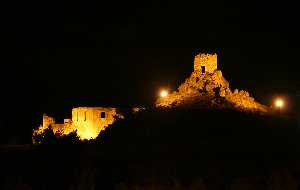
56,55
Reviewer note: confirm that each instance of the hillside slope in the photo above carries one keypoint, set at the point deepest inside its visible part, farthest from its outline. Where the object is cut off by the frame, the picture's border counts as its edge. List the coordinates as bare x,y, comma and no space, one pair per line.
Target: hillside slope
194,132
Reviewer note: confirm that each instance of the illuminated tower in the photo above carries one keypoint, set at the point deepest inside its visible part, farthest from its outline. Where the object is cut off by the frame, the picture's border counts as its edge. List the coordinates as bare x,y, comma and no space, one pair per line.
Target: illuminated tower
205,63
47,120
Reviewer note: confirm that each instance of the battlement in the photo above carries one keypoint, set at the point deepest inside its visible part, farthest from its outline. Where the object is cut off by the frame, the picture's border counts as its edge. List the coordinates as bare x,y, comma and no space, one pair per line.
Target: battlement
205,63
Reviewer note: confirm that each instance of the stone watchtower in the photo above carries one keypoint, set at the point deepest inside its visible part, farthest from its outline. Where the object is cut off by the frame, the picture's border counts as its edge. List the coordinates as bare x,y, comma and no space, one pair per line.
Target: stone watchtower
205,63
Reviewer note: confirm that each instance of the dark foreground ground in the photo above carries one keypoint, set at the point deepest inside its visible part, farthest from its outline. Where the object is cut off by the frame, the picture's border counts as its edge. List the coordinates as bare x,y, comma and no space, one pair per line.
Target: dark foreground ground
180,149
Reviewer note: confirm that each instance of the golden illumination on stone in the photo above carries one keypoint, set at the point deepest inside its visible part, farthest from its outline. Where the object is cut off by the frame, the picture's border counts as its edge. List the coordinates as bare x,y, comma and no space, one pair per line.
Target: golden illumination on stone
207,84
205,63
88,122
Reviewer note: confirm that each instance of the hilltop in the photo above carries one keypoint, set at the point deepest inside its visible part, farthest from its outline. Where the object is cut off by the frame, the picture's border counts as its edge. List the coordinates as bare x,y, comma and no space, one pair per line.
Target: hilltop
206,87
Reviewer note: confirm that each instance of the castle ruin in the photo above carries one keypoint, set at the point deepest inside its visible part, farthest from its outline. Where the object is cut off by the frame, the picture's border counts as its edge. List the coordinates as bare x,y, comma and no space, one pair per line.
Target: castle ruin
206,87
88,122
205,63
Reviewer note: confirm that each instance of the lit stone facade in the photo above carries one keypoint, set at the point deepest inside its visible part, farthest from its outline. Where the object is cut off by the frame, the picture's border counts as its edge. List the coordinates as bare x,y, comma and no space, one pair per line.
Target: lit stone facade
88,122
205,63
47,120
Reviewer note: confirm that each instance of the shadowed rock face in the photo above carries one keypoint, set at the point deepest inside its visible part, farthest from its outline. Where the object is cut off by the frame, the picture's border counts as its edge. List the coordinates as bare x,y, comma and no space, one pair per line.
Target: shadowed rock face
209,89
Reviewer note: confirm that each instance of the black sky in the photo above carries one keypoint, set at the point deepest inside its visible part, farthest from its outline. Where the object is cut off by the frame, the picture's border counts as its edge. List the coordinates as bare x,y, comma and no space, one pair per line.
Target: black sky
57,55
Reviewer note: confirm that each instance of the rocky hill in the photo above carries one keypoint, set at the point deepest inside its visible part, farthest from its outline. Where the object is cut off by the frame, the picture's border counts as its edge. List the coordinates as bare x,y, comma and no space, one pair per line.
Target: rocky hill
210,89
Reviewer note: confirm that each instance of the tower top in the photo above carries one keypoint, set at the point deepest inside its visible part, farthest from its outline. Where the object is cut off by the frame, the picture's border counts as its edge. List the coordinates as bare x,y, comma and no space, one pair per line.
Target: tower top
205,63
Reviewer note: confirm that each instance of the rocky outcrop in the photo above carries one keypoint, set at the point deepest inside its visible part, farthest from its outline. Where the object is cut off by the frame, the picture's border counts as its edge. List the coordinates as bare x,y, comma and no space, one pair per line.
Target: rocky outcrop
209,90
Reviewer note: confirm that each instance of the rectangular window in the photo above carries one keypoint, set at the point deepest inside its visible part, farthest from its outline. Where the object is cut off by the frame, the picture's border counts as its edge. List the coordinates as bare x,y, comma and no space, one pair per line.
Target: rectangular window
84,116
203,69
102,114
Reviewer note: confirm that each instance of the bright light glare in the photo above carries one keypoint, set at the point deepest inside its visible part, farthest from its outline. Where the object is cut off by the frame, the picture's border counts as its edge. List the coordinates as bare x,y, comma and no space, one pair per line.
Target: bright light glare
279,103
164,93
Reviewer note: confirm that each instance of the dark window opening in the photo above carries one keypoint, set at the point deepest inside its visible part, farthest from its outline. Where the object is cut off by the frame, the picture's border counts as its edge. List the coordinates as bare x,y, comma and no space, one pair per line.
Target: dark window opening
84,116
217,91
102,115
203,69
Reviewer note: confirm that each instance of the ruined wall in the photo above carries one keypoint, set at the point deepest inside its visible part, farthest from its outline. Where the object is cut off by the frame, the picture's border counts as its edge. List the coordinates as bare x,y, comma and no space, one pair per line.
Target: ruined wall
47,121
58,128
89,121
208,61
63,128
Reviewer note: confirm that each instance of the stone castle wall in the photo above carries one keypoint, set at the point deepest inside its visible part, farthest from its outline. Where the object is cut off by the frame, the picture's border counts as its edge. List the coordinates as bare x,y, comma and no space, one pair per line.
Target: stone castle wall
89,121
47,121
208,62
